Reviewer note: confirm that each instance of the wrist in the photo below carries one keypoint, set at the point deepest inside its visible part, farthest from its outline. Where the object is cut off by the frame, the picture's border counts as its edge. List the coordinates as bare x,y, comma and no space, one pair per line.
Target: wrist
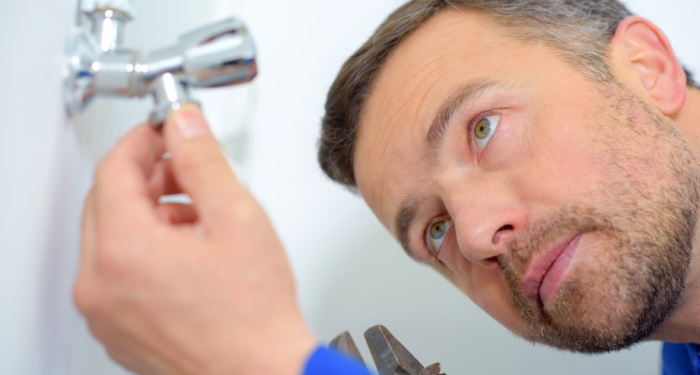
284,351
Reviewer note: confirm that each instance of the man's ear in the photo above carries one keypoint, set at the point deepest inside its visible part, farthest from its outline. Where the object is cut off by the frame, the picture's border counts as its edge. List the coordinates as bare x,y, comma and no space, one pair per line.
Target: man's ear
645,52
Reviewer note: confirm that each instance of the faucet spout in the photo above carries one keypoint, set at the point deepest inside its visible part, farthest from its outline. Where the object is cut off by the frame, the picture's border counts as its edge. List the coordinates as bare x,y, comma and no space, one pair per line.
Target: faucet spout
215,55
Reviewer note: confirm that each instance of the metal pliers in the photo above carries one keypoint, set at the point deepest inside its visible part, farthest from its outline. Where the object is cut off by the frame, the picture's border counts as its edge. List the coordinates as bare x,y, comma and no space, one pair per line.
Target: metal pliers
390,357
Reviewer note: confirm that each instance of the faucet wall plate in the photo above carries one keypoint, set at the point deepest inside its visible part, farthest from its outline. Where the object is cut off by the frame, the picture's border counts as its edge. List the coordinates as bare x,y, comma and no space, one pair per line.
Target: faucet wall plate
215,55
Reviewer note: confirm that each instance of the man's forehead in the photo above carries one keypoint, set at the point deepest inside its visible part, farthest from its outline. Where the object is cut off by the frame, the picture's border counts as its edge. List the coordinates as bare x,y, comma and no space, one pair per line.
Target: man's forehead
399,109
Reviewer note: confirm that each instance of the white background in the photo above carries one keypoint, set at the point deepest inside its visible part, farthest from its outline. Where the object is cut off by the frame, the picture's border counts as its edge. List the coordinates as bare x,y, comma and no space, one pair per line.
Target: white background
350,273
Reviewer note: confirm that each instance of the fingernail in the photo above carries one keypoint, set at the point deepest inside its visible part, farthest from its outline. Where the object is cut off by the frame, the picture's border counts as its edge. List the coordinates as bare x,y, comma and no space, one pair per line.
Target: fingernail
188,120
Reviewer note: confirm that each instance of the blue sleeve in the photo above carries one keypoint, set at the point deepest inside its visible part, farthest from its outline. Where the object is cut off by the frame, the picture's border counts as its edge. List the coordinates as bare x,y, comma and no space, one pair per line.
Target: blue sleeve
680,359
325,361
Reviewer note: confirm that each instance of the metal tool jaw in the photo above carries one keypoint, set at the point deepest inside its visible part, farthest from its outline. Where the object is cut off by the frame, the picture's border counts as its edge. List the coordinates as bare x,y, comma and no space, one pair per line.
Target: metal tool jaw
97,64
390,356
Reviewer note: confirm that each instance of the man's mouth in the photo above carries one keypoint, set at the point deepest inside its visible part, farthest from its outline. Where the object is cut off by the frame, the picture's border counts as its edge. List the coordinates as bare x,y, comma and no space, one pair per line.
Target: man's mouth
547,271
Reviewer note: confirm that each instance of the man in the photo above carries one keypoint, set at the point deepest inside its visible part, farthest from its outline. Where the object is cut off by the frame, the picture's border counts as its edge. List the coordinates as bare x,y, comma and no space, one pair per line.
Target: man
541,156
537,181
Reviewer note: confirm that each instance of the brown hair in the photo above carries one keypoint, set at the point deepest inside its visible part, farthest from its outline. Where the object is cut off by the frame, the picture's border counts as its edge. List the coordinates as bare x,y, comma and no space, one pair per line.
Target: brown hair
579,30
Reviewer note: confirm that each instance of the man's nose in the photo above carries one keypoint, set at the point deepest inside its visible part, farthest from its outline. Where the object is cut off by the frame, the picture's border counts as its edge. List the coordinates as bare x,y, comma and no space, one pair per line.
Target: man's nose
485,219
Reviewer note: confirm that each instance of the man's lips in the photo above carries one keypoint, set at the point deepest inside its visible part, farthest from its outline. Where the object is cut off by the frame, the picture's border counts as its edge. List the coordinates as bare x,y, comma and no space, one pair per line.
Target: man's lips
546,272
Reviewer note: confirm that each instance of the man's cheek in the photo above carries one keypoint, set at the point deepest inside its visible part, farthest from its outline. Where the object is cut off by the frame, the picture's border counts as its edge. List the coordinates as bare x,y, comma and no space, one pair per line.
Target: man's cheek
486,287
488,290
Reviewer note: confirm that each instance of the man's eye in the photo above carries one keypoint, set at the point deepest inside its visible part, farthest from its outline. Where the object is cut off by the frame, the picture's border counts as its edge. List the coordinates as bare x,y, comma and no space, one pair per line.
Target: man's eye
436,234
484,129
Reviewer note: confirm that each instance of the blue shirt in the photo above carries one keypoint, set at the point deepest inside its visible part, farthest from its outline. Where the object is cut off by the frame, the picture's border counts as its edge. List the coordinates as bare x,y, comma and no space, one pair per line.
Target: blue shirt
678,359
681,359
325,361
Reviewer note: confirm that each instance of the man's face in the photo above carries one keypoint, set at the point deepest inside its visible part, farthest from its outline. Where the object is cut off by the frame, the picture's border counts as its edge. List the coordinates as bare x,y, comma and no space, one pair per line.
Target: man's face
565,209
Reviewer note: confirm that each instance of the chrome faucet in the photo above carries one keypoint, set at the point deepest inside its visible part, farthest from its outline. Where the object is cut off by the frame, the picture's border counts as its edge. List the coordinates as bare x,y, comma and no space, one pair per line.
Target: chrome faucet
218,54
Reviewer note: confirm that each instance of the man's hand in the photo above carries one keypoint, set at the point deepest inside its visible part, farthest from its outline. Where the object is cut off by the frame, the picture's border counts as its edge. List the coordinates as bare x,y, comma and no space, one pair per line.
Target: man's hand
185,289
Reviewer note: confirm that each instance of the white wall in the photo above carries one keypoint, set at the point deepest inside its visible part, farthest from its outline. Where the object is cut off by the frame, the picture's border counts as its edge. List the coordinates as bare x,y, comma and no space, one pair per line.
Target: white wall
41,186
350,273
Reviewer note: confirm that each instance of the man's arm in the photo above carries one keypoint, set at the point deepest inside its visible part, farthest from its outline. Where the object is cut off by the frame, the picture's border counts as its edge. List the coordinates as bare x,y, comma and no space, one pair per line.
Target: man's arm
204,288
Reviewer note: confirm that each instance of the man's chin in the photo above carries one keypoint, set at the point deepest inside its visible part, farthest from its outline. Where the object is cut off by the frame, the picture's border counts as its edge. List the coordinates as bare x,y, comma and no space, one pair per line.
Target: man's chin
589,332
587,342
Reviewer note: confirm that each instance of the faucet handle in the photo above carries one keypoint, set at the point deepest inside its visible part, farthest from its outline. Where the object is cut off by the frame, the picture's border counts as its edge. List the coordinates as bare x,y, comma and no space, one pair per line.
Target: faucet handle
218,54
211,31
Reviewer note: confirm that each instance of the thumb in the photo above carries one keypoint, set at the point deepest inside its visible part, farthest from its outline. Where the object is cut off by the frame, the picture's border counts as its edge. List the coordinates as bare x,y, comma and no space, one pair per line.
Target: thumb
200,167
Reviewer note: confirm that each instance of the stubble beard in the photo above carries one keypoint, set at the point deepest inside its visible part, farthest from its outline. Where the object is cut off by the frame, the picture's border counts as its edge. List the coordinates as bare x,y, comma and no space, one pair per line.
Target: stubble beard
636,242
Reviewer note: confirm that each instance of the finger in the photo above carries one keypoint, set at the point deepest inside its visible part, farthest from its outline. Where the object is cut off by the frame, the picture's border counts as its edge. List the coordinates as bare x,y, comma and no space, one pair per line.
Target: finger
122,195
162,181
87,241
84,278
177,213
200,167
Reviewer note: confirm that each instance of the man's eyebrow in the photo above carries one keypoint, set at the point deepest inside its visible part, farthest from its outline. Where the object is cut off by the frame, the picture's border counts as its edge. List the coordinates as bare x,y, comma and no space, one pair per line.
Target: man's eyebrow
404,219
459,98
